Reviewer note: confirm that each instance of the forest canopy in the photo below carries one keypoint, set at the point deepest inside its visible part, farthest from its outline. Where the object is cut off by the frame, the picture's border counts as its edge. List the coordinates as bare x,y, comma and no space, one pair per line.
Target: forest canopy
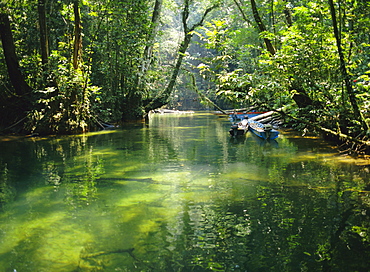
70,66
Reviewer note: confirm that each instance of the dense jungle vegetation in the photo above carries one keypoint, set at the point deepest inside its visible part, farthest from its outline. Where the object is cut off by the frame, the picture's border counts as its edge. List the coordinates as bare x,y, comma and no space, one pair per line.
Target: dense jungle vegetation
70,66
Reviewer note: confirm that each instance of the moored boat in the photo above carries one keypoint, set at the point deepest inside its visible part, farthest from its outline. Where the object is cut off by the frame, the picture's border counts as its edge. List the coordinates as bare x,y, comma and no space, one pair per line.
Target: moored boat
265,131
239,129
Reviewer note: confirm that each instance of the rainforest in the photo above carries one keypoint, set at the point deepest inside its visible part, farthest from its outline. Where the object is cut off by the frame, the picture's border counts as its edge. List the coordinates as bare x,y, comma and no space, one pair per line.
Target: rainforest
94,178
72,66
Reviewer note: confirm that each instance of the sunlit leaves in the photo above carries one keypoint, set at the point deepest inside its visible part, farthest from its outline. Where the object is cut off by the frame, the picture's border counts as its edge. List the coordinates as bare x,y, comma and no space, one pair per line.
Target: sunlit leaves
215,34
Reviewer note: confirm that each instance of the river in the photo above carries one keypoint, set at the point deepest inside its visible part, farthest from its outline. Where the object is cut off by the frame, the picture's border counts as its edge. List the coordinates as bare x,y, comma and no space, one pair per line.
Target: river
178,194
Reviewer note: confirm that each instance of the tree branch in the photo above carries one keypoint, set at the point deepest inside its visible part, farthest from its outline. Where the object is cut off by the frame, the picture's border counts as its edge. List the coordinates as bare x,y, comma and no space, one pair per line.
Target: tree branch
343,68
201,21
340,135
243,13
162,98
262,27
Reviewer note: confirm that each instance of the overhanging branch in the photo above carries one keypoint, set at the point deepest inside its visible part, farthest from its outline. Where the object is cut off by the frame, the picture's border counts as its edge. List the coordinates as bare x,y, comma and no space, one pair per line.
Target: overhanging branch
340,135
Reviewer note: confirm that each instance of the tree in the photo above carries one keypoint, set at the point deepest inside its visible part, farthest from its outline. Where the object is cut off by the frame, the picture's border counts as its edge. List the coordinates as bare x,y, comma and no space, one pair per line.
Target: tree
188,33
262,28
121,54
136,69
77,42
343,69
21,87
305,66
63,104
15,100
44,39
148,51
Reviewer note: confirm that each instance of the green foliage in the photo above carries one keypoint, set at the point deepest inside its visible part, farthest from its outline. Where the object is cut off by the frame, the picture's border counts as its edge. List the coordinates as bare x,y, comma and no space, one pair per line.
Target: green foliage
306,61
215,35
65,107
229,55
118,54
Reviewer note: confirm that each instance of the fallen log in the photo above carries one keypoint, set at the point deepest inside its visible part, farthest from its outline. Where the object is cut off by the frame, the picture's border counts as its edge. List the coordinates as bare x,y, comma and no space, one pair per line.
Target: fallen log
266,120
267,114
261,116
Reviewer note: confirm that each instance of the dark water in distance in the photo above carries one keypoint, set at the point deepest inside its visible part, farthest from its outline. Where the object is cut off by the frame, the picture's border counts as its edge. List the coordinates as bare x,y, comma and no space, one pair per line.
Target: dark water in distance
180,195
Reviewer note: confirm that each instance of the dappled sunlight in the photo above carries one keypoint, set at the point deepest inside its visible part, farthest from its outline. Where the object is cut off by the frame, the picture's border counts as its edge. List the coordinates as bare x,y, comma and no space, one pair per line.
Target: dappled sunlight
362,161
100,132
312,156
61,247
22,229
138,198
247,172
331,157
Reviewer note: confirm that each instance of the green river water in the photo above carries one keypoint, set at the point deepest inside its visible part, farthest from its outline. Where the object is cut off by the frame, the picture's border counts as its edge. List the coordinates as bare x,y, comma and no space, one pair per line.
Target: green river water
178,194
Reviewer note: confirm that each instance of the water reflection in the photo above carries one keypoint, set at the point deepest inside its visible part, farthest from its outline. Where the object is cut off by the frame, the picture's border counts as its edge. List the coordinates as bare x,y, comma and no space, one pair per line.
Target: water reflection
180,195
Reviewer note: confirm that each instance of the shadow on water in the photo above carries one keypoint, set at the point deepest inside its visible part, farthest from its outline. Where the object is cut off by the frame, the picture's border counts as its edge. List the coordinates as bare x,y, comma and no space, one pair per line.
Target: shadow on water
181,195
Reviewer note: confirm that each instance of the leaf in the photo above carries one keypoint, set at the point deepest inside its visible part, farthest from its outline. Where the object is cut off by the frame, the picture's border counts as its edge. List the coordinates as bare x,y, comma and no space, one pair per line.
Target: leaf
202,66
48,90
93,13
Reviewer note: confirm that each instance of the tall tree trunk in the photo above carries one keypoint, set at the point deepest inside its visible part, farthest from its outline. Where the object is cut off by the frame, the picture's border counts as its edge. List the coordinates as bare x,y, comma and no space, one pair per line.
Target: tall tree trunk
77,44
261,27
148,51
162,98
44,43
299,95
16,77
343,69
132,108
288,14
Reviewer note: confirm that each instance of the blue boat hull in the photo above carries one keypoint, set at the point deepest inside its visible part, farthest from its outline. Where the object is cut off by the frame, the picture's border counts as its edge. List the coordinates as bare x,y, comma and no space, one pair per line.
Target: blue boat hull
260,130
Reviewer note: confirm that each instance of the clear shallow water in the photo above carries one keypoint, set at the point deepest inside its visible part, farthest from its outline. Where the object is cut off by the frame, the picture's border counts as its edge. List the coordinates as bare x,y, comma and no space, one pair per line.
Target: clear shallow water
180,195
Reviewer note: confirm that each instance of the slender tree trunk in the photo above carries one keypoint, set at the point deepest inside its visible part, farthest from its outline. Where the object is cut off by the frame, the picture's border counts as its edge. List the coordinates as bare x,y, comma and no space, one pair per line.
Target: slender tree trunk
132,108
299,96
245,18
77,44
16,77
148,51
261,27
288,14
343,69
44,43
162,99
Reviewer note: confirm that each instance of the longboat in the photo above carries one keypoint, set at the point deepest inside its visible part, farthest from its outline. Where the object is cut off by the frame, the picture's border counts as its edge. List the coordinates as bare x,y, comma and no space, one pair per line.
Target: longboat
239,129
264,131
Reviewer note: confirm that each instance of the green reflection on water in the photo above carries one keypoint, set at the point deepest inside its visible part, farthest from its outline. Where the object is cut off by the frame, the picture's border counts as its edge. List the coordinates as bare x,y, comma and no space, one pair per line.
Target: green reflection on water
180,195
